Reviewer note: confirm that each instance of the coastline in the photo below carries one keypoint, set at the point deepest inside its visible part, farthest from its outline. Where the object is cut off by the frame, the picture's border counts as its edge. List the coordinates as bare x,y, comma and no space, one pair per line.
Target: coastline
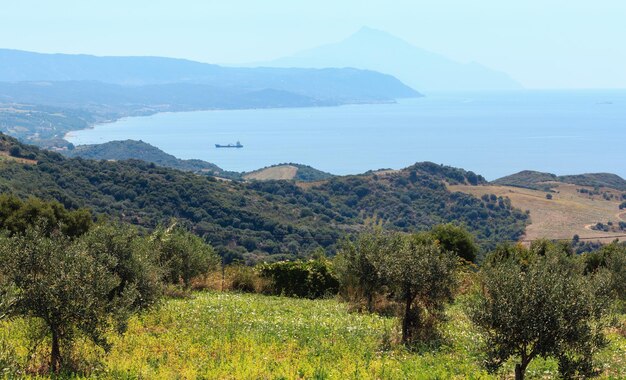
441,128
68,134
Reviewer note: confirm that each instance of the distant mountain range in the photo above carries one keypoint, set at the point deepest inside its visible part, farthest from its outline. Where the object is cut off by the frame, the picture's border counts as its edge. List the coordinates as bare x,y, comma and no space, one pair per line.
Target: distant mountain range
323,85
44,96
376,50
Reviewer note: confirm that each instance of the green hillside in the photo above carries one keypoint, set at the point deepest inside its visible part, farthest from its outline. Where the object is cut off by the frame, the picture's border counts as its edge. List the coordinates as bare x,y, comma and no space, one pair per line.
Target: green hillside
537,180
139,150
263,219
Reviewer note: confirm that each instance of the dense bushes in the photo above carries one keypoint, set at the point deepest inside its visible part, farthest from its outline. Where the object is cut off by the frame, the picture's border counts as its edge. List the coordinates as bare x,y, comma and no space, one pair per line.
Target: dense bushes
16,216
309,279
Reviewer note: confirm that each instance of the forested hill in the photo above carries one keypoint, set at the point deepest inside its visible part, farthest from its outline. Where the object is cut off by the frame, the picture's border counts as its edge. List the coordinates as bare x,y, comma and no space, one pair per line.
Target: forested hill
540,181
259,220
139,150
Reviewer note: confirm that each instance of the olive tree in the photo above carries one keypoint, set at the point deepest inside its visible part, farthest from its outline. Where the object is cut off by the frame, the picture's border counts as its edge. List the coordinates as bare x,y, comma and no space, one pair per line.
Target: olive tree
181,254
412,271
539,305
127,254
66,285
610,259
421,277
358,267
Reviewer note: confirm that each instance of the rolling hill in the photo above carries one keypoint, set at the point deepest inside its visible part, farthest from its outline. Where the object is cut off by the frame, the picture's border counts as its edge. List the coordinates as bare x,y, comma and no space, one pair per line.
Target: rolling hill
260,220
139,150
543,181
290,171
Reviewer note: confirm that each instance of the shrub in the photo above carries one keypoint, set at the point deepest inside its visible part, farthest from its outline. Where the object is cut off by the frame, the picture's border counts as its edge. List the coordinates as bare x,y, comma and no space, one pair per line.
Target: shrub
457,240
307,279
612,258
127,256
243,279
15,151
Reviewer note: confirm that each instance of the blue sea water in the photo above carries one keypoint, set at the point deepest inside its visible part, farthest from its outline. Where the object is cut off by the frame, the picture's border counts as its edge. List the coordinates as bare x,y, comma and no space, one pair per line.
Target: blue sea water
493,134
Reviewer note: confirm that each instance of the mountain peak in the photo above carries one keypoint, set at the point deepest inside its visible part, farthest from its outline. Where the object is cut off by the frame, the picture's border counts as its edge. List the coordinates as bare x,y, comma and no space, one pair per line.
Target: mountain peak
373,49
369,34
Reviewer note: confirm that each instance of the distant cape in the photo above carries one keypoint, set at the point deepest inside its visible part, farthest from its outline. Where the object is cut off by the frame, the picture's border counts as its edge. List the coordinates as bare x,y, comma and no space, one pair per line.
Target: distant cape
372,49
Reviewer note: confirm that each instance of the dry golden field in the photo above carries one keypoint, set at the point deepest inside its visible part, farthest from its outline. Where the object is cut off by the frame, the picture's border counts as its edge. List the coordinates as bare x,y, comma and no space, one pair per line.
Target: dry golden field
276,172
4,156
566,214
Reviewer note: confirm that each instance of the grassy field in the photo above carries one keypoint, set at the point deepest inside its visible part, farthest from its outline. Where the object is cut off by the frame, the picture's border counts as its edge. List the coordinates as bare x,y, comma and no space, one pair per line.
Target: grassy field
237,336
566,214
275,172
4,156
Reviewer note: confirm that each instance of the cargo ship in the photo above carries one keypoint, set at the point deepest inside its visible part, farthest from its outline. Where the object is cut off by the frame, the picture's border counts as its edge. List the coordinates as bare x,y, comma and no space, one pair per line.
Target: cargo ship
237,145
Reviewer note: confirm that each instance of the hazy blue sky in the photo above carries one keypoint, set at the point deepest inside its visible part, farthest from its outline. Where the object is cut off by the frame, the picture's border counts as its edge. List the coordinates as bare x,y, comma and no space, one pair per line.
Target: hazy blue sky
541,43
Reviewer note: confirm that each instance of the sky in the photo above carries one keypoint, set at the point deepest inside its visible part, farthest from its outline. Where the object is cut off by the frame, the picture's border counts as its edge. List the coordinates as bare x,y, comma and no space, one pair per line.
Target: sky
547,44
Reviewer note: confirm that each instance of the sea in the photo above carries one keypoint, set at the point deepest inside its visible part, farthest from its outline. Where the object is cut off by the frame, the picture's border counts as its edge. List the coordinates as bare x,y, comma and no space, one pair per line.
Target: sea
491,133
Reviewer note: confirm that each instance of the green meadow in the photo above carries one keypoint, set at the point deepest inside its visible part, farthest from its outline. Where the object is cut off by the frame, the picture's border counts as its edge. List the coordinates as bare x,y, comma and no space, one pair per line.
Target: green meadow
227,335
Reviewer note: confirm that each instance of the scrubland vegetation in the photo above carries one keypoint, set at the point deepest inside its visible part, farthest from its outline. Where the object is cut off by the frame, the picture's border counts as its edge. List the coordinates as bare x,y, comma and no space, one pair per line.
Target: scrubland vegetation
262,220
107,300
127,270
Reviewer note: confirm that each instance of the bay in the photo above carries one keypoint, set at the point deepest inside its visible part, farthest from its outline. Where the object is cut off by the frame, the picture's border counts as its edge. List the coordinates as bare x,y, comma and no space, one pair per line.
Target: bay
493,134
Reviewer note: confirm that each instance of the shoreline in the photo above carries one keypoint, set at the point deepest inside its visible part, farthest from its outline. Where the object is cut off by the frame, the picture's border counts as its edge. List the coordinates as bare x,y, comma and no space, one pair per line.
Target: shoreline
111,121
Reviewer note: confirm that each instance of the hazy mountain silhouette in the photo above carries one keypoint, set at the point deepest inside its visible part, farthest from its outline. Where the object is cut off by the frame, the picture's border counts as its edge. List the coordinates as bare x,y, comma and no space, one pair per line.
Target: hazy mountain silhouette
376,50
326,85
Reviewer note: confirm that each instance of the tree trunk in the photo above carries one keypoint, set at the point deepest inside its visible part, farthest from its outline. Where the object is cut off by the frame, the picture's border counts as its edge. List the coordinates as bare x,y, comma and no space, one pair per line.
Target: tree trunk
406,321
55,356
519,373
370,302
520,368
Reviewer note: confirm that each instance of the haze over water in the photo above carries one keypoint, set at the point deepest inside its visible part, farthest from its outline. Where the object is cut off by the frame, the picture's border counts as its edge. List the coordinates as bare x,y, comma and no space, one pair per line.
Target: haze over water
493,134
